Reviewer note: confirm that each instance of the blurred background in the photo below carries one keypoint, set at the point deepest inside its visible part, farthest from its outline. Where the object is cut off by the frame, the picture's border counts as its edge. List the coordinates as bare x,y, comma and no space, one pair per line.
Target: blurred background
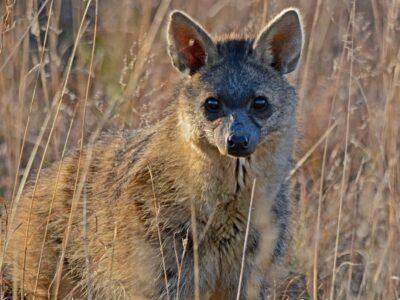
70,68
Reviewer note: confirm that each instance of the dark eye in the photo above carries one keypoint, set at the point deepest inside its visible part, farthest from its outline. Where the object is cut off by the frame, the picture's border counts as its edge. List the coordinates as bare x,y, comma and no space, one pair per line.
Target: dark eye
212,105
260,104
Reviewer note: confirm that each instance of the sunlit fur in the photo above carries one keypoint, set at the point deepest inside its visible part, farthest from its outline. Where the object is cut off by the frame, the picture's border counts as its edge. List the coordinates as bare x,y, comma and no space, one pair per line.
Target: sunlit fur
139,190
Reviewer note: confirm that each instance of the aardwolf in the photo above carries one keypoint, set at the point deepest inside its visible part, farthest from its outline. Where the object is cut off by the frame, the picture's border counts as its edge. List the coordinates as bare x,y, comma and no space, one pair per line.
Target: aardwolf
163,212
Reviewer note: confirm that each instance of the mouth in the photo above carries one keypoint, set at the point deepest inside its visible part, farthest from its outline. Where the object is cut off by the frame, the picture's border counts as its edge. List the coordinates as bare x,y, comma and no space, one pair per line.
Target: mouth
239,153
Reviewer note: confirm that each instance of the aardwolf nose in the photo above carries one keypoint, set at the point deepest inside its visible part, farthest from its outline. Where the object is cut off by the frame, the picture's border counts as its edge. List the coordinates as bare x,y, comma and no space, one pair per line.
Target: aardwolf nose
238,142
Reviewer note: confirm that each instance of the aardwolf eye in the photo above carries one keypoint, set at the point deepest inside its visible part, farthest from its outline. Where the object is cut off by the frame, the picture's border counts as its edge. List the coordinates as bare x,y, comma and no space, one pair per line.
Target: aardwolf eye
212,105
260,104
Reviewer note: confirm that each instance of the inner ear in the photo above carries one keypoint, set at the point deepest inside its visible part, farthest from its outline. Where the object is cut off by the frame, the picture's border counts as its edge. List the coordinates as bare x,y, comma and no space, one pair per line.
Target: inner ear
280,43
190,47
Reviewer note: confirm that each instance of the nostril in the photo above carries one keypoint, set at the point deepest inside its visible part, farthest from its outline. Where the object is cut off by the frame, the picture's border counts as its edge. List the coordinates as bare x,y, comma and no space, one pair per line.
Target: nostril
246,142
231,142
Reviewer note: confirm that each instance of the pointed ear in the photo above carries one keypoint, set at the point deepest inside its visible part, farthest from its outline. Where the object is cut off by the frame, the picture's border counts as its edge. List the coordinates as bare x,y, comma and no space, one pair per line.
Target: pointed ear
280,43
189,45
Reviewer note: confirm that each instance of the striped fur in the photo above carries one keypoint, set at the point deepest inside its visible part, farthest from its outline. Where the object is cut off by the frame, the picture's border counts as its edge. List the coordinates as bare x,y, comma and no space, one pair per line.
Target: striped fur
118,216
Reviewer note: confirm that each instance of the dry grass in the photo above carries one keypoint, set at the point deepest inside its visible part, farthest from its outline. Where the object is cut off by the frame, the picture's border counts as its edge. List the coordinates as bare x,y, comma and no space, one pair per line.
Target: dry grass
347,218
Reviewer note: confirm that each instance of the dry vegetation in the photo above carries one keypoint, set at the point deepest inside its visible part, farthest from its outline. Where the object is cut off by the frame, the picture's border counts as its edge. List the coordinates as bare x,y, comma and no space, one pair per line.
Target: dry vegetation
347,216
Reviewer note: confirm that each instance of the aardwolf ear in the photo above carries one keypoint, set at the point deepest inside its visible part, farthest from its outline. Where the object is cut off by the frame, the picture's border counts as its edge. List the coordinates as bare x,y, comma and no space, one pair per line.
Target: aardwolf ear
279,44
189,45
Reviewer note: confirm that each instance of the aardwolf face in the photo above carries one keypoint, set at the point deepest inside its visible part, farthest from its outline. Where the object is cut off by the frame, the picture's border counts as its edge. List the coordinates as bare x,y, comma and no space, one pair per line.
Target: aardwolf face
236,94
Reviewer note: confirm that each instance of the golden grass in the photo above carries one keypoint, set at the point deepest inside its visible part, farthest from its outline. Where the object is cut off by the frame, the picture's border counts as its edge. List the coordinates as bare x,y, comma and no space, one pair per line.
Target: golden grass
67,73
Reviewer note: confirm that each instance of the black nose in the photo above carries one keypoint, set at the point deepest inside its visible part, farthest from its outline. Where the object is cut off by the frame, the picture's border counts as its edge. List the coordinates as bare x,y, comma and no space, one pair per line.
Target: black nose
238,142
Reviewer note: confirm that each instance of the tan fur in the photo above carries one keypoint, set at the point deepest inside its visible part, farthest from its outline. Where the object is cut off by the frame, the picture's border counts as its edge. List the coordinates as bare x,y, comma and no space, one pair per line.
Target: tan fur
136,191
114,216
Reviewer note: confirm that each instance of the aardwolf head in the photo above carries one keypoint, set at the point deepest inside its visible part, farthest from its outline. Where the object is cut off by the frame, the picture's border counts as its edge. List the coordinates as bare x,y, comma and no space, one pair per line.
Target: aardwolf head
235,94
